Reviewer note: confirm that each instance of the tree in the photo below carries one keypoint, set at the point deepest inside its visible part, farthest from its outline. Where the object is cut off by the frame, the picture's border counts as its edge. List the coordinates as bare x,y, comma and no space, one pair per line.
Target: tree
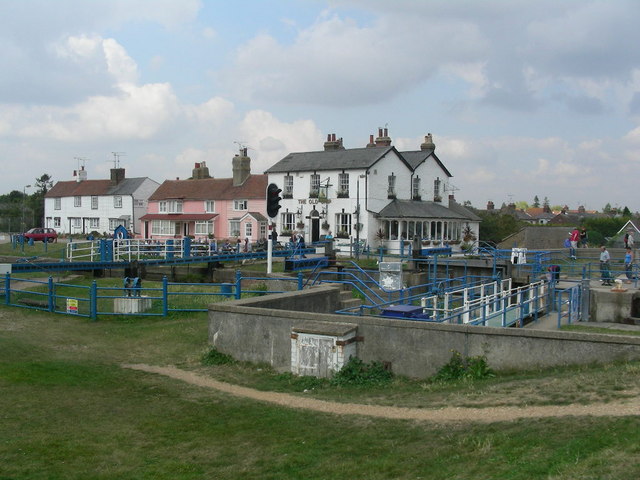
496,227
607,208
536,202
36,201
522,205
626,212
44,183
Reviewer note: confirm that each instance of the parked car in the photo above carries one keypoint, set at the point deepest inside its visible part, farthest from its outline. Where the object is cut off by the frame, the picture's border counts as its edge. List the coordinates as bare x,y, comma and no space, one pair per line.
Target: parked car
42,234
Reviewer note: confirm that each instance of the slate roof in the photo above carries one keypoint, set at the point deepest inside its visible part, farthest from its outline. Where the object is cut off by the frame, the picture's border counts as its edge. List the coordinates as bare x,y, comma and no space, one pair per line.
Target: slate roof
348,159
255,186
416,157
95,187
417,209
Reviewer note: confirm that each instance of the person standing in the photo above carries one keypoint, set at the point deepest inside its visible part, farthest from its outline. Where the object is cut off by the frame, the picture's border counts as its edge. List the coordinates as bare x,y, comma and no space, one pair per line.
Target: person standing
628,265
604,266
628,240
574,238
583,238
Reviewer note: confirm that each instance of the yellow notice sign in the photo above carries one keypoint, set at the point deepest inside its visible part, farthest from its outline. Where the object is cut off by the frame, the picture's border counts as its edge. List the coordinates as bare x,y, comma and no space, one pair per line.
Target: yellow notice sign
72,305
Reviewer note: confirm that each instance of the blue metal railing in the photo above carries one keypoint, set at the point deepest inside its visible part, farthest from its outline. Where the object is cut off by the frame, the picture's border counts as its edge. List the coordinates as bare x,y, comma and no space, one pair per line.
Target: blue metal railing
93,300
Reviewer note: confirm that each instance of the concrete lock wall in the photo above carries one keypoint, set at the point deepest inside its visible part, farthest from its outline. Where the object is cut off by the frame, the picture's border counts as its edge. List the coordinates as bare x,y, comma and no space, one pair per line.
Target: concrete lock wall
259,330
611,306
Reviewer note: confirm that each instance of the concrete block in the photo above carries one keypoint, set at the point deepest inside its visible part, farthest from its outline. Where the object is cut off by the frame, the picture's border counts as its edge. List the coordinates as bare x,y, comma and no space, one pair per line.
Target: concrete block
131,304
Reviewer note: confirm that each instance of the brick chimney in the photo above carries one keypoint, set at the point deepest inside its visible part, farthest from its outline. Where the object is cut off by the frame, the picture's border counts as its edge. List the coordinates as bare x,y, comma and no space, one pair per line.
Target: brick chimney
200,171
332,143
241,167
428,143
117,176
383,139
371,143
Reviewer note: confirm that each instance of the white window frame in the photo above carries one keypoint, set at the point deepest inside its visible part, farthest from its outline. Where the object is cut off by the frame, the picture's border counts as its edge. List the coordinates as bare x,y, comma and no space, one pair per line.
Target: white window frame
288,221
391,190
234,228
287,191
343,223
94,202
76,222
240,205
77,201
415,188
115,223
117,201
56,222
203,228
57,203
248,229
170,206
162,227
314,186
210,206
343,184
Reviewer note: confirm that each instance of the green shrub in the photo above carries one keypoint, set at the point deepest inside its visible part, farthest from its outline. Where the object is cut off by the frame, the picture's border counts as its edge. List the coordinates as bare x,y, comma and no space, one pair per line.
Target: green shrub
356,372
458,368
214,357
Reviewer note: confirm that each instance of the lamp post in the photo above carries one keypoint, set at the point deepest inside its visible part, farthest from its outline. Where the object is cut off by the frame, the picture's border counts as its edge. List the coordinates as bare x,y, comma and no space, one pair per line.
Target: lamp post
358,217
24,198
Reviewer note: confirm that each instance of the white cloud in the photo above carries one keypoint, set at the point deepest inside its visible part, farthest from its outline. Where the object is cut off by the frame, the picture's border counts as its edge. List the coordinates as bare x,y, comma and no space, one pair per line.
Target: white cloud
381,60
273,139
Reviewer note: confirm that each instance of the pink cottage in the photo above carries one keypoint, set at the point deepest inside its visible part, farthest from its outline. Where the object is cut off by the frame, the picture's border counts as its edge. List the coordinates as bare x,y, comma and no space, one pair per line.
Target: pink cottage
209,208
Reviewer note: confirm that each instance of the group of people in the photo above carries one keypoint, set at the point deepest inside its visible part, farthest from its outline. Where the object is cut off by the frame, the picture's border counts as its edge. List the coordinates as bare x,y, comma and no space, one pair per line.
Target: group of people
605,270
577,238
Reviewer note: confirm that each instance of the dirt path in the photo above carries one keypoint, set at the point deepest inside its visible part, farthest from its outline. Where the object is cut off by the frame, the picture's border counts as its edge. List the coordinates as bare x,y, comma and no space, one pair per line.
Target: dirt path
443,415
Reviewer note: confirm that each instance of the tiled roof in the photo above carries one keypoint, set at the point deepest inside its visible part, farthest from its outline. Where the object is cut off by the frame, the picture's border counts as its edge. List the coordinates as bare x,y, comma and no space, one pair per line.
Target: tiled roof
416,209
179,216
95,187
255,186
416,157
348,159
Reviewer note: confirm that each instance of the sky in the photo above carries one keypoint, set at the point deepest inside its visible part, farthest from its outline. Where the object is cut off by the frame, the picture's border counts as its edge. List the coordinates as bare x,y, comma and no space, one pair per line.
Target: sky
523,99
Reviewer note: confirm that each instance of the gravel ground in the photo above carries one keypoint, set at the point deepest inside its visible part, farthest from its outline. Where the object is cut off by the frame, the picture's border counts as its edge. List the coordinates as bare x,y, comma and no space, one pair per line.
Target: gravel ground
442,415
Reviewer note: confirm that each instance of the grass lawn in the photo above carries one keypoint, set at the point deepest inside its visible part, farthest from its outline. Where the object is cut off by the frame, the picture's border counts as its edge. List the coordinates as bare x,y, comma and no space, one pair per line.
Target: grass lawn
69,411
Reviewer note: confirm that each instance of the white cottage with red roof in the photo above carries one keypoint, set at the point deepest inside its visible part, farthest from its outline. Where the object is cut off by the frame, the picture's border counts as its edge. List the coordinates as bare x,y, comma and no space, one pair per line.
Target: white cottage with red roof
205,207
82,206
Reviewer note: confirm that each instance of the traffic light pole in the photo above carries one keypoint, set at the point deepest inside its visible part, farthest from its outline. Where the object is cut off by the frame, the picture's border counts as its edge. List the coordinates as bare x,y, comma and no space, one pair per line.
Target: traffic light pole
273,205
270,248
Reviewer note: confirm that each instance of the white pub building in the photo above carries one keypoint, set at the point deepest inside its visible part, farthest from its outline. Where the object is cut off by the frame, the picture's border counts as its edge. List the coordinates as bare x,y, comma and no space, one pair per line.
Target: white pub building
376,195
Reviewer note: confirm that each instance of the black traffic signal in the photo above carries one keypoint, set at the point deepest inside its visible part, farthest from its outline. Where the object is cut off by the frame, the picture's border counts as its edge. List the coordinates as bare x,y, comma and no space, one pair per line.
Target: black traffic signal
273,200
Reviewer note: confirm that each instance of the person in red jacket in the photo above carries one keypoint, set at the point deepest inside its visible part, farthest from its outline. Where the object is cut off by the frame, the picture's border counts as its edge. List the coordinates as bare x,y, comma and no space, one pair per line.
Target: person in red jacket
574,239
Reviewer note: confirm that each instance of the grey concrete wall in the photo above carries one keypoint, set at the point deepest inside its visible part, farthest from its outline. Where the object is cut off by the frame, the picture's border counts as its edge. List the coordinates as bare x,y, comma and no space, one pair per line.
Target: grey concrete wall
608,306
259,330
